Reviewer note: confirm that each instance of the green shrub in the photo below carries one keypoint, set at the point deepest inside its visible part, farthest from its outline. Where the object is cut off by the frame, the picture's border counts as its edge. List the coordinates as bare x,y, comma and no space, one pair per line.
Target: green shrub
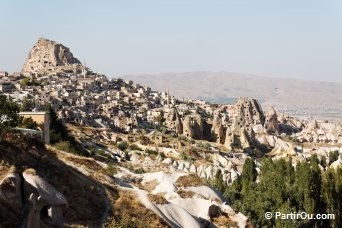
102,153
134,147
333,156
162,155
151,152
111,170
183,156
65,146
123,145
139,171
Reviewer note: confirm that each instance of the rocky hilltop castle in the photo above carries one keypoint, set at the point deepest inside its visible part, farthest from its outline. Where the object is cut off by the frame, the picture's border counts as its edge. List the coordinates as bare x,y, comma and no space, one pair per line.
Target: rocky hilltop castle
47,55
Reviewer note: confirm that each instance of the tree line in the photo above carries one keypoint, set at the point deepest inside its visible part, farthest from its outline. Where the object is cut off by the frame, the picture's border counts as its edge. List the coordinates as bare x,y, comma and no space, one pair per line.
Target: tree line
282,187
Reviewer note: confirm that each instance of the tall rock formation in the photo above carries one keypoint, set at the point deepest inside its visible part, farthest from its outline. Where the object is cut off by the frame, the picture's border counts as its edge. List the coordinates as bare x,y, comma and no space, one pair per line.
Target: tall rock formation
271,122
247,114
174,121
47,55
193,126
187,127
217,128
198,126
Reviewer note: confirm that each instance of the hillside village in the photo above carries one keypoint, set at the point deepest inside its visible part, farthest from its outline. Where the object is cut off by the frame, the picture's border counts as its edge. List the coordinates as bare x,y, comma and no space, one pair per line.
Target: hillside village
155,139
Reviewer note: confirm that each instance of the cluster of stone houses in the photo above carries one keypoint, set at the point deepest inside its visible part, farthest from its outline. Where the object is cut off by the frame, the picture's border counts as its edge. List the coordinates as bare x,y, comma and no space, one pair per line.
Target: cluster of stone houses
93,99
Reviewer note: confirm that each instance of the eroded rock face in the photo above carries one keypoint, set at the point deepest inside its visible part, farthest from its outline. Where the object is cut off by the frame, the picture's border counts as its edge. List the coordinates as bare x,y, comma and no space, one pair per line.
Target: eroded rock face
271,123
247,114
187,127
47,55
42,196
32,195
193,126
217,128
321,133
198,126
174,121
10,189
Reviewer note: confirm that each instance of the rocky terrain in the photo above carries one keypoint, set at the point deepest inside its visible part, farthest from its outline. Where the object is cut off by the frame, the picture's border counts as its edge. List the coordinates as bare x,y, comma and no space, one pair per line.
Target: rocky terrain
123,155
47,55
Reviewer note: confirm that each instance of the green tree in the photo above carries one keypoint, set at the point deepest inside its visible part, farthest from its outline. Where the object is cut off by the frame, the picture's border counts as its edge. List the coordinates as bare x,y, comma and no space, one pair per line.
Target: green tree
332,194
59,133
333,156
9,117
123,145
27,105
282,188
29,82
323,161
233,192
309,188
28,123
248,175
218,182
159,119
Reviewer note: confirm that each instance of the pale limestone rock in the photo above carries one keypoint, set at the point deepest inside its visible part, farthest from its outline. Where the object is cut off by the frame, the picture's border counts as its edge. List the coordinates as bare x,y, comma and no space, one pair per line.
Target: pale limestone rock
175,164
42,194
167,161
217,128
174,122
47,55
193,169
313,125
193,126
187,127
271,122
181,165
209,172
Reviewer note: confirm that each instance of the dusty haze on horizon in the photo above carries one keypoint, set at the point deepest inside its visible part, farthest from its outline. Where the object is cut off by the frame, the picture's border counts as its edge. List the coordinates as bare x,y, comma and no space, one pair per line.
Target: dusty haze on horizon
289,39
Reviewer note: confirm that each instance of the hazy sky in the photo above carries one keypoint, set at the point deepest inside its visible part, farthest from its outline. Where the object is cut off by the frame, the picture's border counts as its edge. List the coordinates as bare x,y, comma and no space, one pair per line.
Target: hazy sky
289,38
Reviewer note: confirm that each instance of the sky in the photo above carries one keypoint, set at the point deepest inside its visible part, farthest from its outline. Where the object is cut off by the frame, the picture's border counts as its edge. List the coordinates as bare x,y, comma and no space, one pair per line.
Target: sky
299,39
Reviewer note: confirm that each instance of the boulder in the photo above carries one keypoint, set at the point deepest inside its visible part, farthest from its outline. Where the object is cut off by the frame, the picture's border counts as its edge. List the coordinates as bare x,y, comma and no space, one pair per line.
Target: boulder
214,211
43,196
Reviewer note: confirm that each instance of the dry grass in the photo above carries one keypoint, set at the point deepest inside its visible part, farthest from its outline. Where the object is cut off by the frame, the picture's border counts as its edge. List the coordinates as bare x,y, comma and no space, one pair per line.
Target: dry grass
111,170
224,221
90,163
129,206
4,169
150,185
158,199
31,171
185,194
189,181
85,196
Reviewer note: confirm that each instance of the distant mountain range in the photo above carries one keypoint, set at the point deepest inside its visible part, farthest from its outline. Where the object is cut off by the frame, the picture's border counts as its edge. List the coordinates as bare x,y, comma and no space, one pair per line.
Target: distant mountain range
290,95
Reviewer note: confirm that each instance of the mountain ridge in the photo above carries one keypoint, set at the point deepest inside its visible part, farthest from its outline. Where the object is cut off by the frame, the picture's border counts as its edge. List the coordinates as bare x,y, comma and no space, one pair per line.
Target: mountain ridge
218,87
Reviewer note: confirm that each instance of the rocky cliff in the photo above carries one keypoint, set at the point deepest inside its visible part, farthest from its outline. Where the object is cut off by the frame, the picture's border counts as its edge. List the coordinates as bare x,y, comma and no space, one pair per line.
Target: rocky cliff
47,55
